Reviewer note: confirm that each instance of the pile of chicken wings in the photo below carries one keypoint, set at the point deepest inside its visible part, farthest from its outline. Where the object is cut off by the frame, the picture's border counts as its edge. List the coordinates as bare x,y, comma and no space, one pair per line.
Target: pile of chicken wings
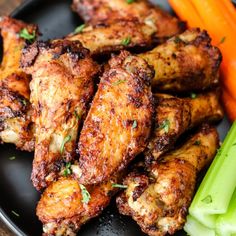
157,97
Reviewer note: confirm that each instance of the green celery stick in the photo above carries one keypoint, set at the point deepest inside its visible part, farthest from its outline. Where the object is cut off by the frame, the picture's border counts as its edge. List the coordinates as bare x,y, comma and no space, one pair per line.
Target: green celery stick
193,228
226,223
217,187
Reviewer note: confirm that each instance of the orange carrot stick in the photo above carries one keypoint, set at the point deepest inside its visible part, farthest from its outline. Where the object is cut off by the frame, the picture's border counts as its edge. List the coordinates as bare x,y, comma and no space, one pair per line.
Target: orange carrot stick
229,105
186,11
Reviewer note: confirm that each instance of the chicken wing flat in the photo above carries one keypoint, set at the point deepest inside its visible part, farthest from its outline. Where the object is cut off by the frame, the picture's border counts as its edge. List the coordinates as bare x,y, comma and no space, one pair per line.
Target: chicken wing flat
61,86
103,39
119,121
185,62
175,115
158,197
15,122
106,11
63,209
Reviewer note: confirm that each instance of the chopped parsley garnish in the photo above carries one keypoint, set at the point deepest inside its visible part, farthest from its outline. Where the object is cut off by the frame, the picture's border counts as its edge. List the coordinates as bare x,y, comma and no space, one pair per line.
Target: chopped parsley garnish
197,143
85,194
12,158
207,199
178,40
78,116
119,82
67,170
79,29
130,1
24,33
126,41
222,40
66,140
119,186
135,124
15,213
193,95
23,101
165,125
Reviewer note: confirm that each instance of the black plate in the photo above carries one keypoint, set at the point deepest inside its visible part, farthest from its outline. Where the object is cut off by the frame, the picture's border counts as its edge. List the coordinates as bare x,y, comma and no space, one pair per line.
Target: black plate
55,19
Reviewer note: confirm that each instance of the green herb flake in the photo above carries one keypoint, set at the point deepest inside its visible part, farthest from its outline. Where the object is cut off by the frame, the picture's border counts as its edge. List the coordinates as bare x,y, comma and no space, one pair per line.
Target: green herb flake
193,95
119,186
135,124
130,1
66,140
178,40
222,40
78,116
197,143
119,82
79,29
15,213
165,125
207,199
24,33
23,101
67,170
85,194
126,41
12,158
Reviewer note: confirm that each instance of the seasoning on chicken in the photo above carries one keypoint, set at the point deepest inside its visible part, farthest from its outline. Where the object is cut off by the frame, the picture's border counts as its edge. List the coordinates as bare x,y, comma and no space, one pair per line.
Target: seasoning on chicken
66,205
61,87
185,62
15,122
107,12
119,121
176,115
158,197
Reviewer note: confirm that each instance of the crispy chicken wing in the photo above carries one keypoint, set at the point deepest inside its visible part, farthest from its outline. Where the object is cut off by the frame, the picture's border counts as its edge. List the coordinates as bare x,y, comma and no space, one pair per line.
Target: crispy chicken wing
119,121
62,209
61,86
103,39
15,122
106,11
176,115
158,197
185,62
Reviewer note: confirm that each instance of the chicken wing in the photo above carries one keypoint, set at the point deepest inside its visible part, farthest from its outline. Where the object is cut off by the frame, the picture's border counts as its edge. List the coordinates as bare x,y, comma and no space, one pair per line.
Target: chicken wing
176,115
61,86
106,11
158,197
103,39
119,121
15,122
185,62
63,207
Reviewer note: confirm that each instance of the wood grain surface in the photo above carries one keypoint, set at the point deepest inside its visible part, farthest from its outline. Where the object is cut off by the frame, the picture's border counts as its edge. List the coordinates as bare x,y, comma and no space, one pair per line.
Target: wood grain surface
6,7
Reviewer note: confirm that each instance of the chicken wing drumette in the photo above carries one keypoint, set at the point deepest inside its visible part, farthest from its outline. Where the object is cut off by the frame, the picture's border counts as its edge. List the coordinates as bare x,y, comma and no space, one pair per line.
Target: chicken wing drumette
185,62
107,12
158,197
174,116
61,87
15,122
119,121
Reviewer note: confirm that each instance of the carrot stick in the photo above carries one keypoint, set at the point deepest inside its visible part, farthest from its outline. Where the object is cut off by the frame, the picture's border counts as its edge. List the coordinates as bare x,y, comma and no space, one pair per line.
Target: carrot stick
230,8
229,104
187,12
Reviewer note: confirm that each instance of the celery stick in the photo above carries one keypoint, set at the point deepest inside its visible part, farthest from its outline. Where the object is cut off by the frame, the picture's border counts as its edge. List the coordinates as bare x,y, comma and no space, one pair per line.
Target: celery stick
226,223
193,228
217,187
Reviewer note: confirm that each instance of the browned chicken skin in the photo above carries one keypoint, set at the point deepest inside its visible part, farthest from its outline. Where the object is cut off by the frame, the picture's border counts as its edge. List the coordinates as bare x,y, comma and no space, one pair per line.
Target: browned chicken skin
107,12
15,121
61,87
185,62
119,121
158,198
176,115
61,208
104,39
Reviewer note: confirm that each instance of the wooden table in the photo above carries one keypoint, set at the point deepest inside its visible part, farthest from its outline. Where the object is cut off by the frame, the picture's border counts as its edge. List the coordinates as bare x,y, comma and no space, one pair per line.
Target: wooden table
6,7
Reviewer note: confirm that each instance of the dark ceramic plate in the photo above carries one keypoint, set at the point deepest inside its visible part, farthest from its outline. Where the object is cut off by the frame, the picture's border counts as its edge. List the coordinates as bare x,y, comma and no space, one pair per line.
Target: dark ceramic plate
55,19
